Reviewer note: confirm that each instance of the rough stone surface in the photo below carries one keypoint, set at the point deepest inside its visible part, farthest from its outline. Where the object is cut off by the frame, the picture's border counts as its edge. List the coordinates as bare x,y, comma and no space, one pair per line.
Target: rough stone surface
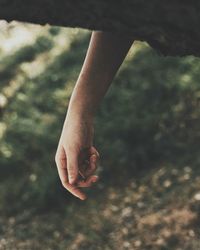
169,26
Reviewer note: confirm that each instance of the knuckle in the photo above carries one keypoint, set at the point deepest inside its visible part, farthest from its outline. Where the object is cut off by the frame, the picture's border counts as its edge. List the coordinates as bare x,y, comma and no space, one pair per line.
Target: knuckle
64,183
59,159
56,158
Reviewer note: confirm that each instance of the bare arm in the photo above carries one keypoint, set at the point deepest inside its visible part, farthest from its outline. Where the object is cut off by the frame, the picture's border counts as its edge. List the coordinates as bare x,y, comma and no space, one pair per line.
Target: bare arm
105,54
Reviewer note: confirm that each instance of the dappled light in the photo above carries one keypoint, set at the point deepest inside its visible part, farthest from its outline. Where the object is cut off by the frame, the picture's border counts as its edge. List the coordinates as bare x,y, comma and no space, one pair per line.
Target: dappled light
147,132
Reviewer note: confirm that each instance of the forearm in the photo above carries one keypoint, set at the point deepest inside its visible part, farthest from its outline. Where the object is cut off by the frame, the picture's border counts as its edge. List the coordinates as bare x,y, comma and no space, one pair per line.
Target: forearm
105,54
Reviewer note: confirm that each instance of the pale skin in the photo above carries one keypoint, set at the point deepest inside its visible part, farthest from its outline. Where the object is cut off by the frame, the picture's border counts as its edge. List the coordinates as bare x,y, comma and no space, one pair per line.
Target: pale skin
105,54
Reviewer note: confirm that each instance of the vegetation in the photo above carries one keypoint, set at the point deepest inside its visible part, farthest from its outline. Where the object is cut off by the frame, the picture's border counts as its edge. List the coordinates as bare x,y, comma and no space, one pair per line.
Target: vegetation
146,130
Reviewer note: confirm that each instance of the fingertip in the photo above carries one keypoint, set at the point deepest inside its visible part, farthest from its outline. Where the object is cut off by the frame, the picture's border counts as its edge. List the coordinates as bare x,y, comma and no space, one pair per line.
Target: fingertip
70,181
93,158
83,198
95,179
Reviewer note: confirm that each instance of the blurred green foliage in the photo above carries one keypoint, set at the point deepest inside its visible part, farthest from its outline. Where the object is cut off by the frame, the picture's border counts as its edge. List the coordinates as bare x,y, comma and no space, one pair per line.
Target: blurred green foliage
9,63
150,114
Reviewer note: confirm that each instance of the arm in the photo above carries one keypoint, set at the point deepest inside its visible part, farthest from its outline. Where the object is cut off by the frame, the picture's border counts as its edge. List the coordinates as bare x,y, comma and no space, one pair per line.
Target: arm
105,54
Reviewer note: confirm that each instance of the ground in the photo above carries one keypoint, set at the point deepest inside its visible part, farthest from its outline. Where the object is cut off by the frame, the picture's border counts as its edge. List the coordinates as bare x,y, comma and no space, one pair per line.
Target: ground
156,211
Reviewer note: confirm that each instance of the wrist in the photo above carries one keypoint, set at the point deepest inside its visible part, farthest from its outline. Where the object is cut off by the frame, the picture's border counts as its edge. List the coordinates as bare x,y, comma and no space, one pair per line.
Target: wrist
79,115
77,110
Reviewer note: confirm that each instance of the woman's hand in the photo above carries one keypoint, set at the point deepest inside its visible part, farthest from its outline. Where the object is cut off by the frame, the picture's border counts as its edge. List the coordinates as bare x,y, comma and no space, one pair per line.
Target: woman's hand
105,54
76,158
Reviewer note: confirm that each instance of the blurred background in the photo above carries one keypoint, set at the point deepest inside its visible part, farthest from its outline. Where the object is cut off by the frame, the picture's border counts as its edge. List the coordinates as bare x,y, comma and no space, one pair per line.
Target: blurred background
146,131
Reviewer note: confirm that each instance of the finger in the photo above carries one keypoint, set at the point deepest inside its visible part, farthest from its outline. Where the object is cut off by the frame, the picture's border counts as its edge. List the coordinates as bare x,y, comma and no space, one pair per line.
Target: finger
61,162
82,168
74,190
88,162
88,182
72,166
92,165
94,151
81,173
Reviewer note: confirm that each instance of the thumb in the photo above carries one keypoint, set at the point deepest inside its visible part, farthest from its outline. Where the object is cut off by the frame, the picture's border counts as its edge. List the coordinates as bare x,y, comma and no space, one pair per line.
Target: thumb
72,168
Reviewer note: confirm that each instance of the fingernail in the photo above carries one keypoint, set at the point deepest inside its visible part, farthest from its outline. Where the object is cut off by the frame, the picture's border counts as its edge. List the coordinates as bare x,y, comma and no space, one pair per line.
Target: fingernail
95,180
83,198
94,158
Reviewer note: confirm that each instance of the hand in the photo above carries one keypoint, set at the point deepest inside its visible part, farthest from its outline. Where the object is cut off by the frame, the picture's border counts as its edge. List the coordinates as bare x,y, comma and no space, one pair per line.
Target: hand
76,158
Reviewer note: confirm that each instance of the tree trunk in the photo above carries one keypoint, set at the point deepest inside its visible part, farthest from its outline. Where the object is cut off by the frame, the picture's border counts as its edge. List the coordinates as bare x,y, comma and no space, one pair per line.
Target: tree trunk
169,26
